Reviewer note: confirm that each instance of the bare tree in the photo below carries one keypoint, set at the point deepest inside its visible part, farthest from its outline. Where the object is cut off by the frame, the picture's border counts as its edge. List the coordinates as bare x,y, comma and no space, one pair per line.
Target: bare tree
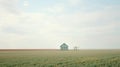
75,48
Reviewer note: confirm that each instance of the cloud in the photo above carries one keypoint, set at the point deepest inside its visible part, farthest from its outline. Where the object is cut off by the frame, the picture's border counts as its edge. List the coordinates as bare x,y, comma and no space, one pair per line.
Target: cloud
9,12
75,2
56,9
26,3
86,29
9,6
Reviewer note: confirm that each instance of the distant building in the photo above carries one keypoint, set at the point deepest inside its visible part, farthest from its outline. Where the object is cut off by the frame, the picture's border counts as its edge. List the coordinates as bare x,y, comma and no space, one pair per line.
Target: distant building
64,46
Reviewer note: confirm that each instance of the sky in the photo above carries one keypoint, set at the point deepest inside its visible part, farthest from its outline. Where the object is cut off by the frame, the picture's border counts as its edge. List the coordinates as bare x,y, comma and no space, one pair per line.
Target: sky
46,24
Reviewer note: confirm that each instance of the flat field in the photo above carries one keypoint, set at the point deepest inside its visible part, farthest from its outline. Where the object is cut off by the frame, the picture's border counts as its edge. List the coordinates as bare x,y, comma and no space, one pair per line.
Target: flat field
57,58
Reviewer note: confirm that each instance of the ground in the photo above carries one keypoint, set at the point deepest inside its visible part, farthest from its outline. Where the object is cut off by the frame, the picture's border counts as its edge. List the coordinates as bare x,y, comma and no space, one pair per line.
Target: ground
57,58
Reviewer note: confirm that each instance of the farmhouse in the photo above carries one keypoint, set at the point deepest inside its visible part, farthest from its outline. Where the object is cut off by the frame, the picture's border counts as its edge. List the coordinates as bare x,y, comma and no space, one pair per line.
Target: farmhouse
64,46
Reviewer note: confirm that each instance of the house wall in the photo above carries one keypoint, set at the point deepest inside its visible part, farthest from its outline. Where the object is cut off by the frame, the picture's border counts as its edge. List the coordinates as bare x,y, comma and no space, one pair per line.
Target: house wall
64,48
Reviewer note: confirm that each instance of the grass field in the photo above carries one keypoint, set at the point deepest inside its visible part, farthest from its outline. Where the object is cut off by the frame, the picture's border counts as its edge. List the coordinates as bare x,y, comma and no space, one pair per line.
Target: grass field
57,58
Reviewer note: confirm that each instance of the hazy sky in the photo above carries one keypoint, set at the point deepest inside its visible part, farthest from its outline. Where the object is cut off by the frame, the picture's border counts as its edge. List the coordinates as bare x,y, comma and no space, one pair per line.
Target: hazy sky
49,23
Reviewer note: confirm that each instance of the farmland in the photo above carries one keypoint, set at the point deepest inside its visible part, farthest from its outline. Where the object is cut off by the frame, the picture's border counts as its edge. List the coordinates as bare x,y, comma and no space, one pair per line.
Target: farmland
57,58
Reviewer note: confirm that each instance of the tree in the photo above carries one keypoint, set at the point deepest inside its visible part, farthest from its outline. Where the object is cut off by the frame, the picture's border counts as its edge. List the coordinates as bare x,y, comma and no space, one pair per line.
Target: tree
75,48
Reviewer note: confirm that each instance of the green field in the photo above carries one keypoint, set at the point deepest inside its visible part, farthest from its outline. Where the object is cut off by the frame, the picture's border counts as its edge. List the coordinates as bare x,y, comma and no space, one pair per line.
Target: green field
57,58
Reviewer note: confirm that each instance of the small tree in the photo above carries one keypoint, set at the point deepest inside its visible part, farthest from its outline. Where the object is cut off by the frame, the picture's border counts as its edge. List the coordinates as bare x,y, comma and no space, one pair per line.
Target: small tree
75,48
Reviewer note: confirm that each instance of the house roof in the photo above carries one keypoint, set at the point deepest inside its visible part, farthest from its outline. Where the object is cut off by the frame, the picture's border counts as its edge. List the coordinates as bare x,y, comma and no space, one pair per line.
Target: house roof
64,45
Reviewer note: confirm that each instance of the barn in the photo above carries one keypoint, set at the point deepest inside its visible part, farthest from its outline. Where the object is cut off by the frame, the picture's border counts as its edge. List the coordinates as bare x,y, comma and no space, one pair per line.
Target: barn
64,46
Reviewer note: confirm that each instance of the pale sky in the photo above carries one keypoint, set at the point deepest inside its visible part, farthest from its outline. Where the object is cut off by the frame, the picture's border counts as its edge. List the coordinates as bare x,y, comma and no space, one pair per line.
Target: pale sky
46,24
